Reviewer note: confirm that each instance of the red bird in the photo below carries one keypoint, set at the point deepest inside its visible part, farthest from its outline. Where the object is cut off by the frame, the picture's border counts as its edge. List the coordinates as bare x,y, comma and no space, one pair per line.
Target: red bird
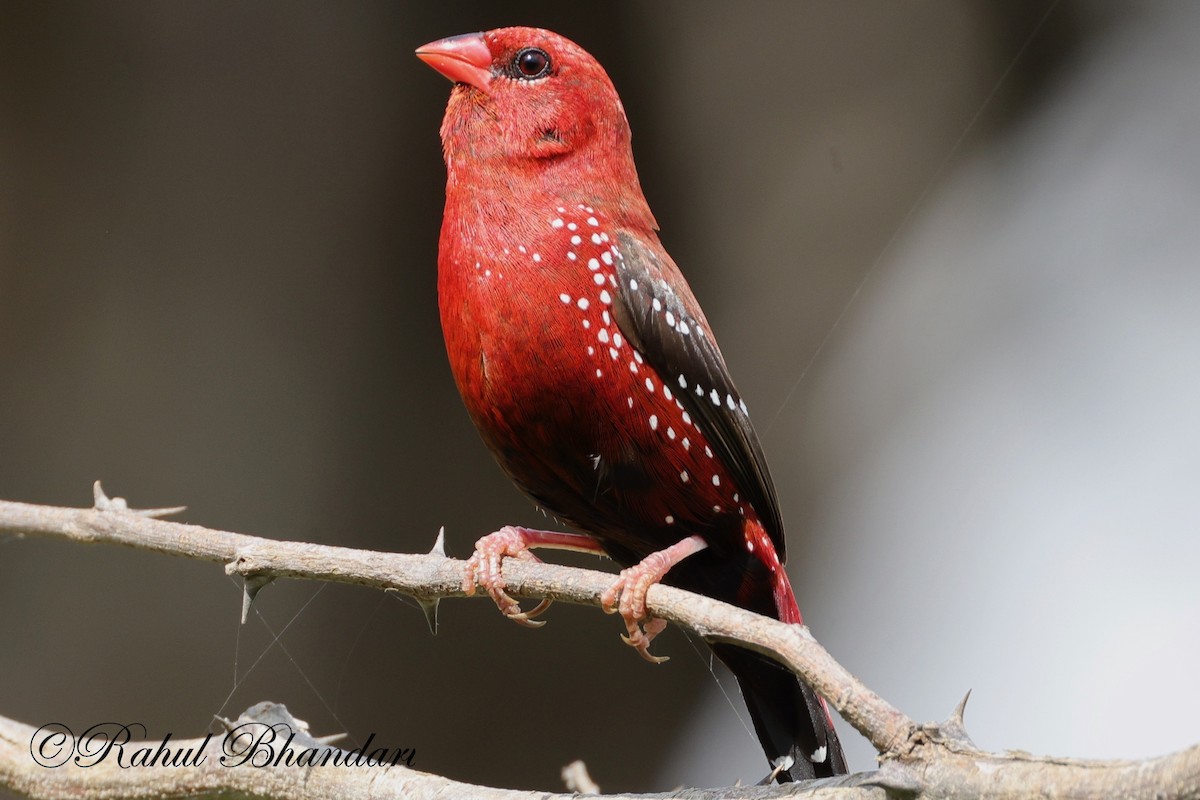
590,370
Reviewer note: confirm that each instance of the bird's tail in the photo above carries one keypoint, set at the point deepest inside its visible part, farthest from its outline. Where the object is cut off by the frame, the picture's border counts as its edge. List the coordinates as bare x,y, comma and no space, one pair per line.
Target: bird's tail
791,721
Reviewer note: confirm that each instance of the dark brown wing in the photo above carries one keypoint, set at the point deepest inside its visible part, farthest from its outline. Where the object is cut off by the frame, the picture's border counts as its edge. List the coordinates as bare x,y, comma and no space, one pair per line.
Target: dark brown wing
656,311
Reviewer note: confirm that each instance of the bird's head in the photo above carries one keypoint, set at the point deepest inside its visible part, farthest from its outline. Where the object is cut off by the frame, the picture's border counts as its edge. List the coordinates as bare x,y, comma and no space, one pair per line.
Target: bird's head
528,102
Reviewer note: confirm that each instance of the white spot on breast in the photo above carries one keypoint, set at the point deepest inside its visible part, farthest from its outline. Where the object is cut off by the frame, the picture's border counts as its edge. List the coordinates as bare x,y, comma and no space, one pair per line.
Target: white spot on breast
566,298
687,419
750,545
571,256
617,339
637,356
686,444
612,351
571,226
536,258
558,223
683,476
669,519
561,210
593,264
592,221
598,279
653,422
587,323
603,236
599,373
716,480
606,257
521,248
633,367
603,335
476,265
670,433
708,451
607,319
591,350
630,401
666,391
632,283
605,297
649,385
576,240
596,238
582,303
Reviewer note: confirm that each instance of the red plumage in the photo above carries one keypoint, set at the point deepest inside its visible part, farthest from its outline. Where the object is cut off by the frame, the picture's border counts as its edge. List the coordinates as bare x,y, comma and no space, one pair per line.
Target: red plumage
589,368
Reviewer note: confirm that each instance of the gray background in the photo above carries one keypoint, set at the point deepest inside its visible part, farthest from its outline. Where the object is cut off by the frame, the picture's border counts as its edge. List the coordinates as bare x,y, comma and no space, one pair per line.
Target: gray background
218,232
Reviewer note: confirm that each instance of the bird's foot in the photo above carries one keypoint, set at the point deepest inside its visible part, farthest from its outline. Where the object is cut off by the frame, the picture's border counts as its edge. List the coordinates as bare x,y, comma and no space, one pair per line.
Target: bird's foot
631,588
484,566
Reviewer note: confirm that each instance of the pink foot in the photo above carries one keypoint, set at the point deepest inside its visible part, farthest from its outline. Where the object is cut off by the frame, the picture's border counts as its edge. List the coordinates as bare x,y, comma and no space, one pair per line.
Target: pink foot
631,588
484,566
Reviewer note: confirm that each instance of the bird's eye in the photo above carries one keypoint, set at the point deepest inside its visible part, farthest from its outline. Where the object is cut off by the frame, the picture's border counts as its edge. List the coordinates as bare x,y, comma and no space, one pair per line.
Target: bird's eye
530,64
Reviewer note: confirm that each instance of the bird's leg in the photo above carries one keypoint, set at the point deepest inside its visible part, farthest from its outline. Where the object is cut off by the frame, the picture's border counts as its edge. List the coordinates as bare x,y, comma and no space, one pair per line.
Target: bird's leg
483,567
632,586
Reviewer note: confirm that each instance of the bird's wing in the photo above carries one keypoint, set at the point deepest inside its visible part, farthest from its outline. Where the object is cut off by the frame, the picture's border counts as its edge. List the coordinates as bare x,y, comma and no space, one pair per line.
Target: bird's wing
658,314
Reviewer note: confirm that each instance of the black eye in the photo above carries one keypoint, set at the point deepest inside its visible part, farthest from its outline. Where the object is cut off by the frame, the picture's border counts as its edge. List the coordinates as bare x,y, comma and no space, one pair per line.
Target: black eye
530,64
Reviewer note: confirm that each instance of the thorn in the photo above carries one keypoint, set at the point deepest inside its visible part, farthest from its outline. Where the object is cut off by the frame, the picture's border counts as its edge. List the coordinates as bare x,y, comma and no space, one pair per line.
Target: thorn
961,708
439,547
954,728
330,739
251,586
430,607
779,765
102,502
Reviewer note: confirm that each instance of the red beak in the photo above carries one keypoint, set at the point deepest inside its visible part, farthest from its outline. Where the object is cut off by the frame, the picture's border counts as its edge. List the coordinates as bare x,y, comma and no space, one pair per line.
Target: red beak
464,59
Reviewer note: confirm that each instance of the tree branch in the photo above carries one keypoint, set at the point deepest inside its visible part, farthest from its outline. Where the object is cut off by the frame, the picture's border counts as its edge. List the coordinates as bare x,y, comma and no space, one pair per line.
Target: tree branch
917,760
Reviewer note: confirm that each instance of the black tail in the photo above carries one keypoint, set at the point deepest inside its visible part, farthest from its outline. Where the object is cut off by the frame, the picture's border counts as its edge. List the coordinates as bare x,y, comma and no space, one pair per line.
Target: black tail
792,724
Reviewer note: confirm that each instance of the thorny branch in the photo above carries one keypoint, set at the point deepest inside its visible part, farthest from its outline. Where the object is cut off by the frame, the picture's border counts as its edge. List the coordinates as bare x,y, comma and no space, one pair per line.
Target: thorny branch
931,760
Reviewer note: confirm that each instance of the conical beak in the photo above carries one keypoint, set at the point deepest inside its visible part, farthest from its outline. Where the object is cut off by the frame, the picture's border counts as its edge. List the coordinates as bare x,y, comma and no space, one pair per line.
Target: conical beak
464,59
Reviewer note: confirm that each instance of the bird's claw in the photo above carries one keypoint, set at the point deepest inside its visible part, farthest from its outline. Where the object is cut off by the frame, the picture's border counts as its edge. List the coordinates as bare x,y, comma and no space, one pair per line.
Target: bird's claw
630,589
484,568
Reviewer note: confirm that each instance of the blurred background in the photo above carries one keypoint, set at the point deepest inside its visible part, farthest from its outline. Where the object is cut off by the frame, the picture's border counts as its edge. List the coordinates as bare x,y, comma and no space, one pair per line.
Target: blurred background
950,250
